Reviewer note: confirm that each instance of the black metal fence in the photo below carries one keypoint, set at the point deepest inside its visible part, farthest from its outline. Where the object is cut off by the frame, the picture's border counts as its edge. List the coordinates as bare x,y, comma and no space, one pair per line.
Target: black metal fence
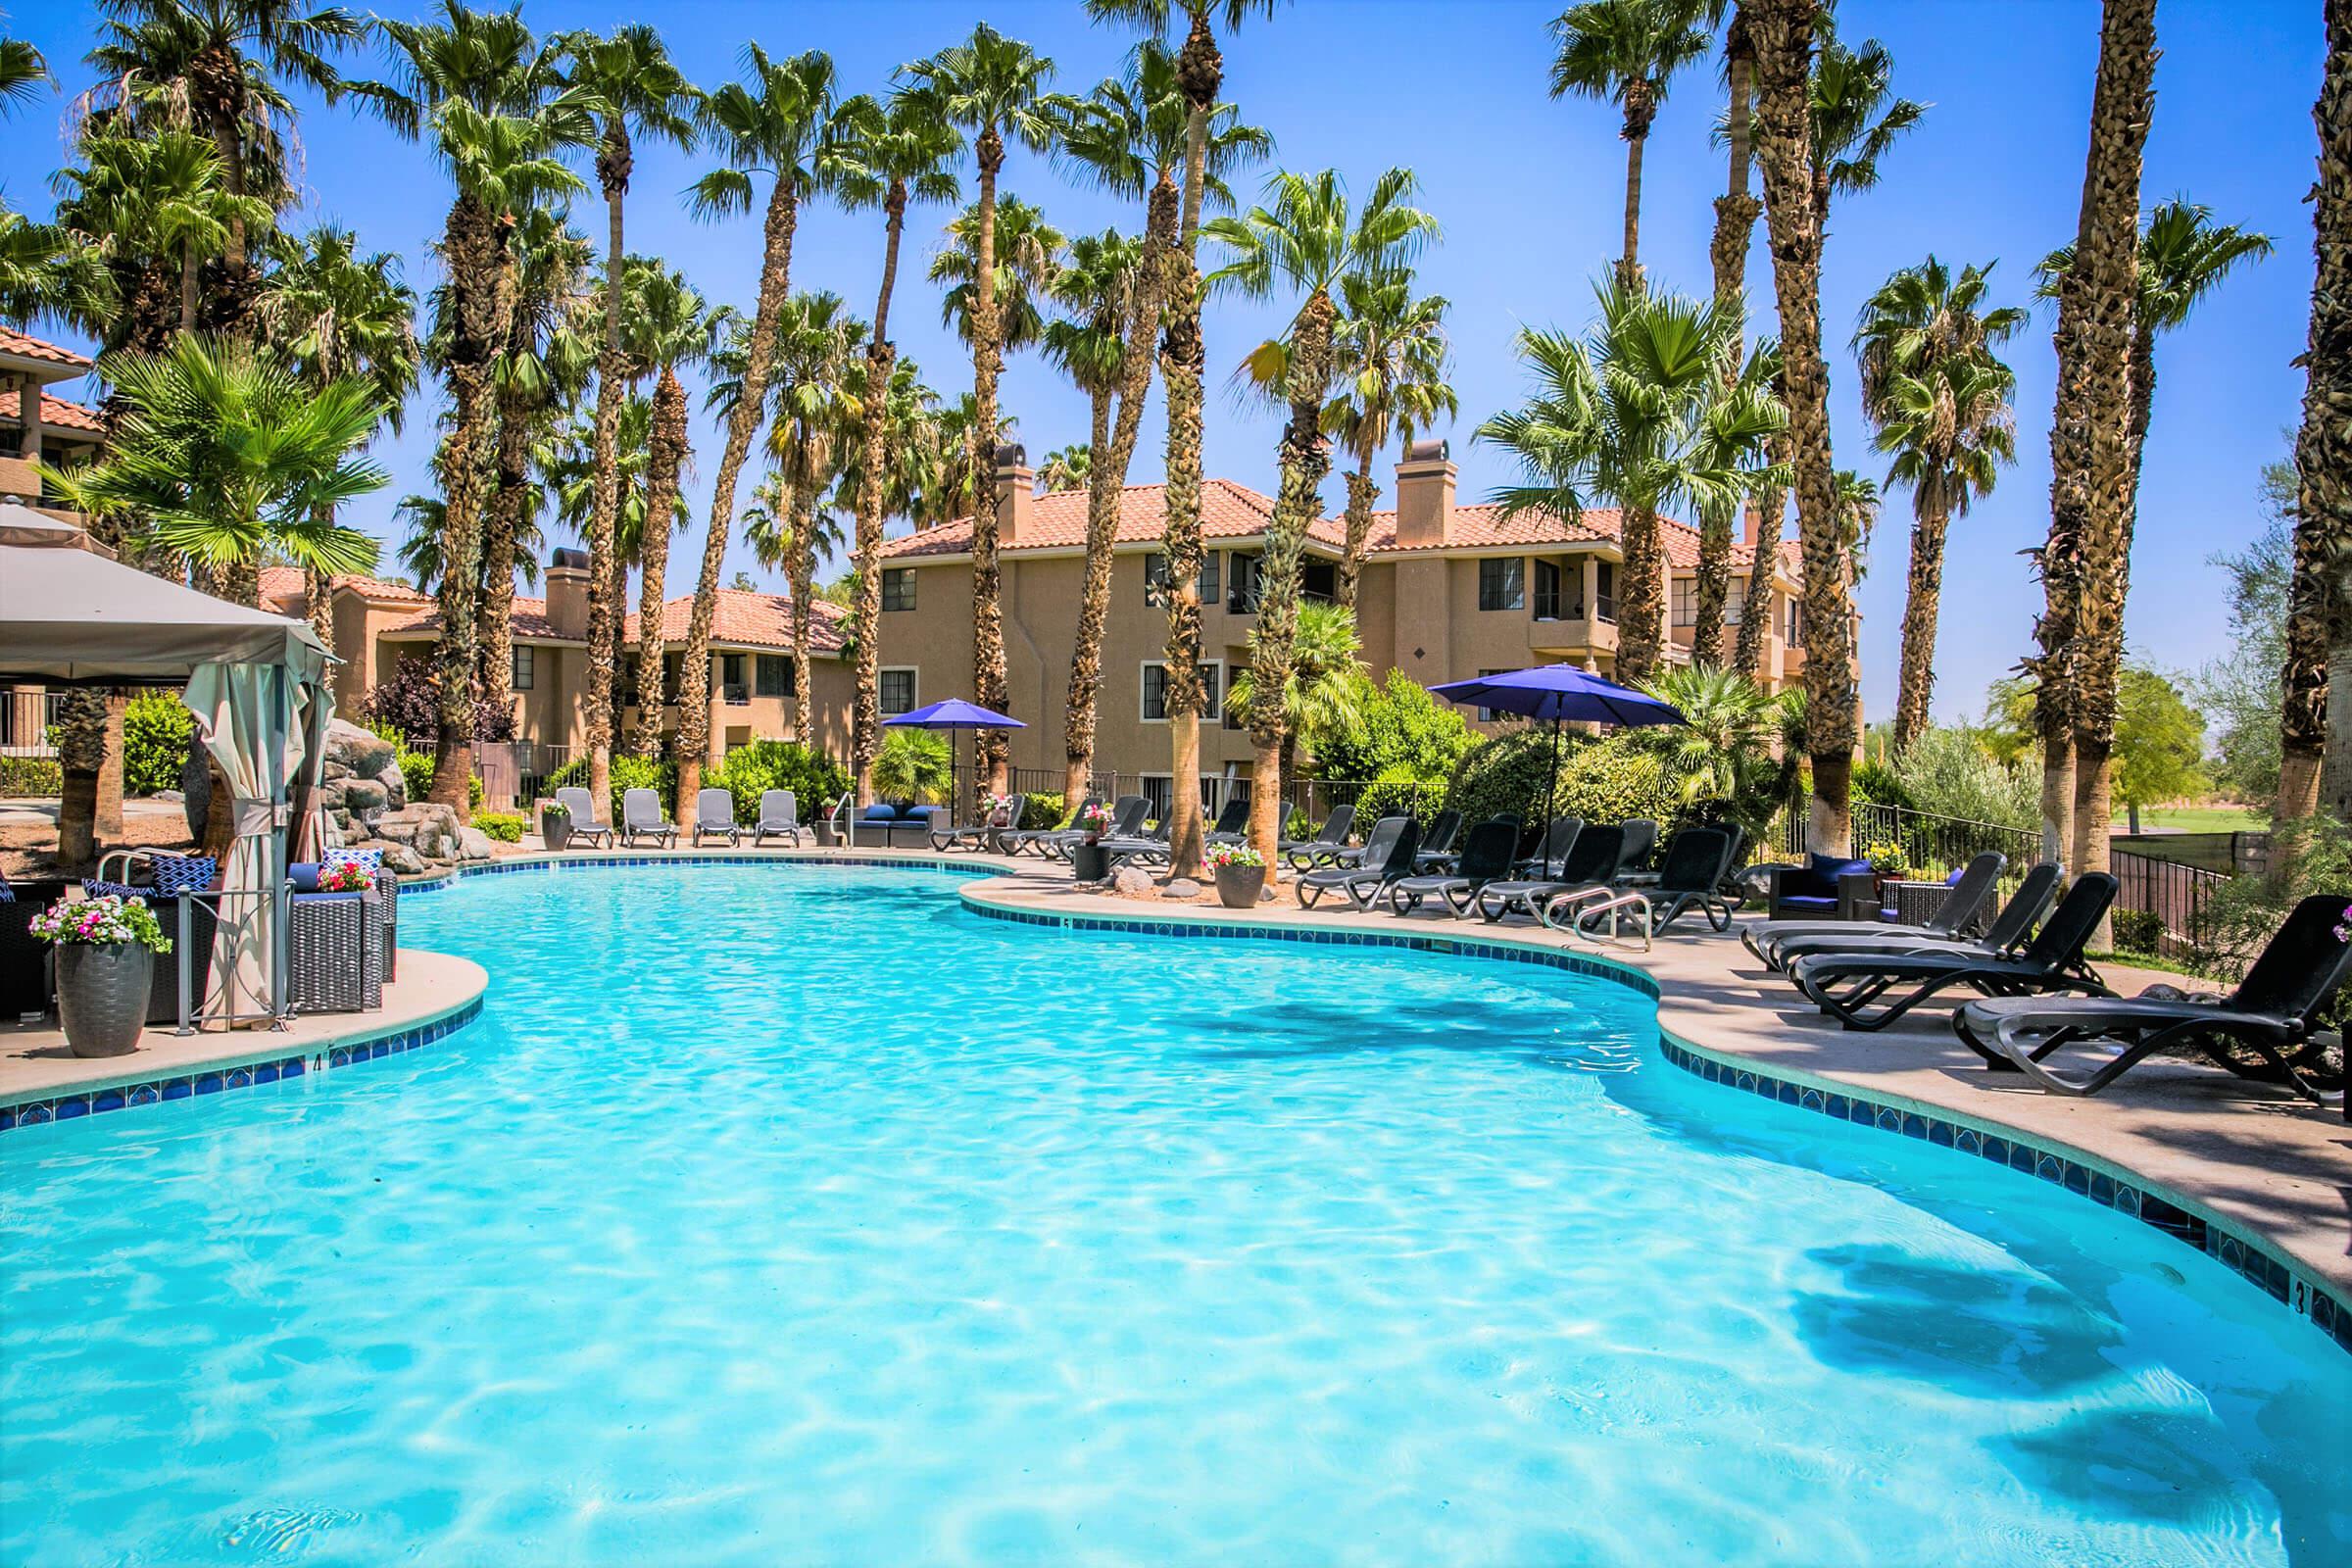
1931,842
2174,892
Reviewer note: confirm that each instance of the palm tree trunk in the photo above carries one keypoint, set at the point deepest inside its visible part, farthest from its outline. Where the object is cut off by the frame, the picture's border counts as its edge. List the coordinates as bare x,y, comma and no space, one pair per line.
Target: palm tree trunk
988,583
666,447
1305,459
743,424
865,617
189,272
612,391
1755,603
2318,618
1094,610
1734,222
1361,493
318,604
1782,31
1714,587
1183,357
508,515
1920,606
1640,595
81,738
800,572
1628,265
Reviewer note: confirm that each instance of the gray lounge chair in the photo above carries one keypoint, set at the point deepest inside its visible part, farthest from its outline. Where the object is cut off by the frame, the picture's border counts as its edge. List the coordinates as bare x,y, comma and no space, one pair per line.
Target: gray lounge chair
779,815
1017,839
715,815
1389,851
1232,823
1309,852
1126,821
1589,860
641,818
1959,908
585,829
1486,858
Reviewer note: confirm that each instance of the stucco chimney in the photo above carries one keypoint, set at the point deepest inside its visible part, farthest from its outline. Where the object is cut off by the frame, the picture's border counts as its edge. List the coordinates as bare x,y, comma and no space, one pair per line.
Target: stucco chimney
1425,480
1016,492
1751,525
567,593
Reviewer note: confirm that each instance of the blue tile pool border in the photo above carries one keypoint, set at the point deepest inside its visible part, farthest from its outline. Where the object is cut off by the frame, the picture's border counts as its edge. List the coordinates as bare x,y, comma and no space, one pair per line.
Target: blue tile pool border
2126,1194
624,859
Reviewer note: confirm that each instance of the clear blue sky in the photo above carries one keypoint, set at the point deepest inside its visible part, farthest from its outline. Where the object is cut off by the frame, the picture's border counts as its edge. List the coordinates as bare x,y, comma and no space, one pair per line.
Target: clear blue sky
1529,191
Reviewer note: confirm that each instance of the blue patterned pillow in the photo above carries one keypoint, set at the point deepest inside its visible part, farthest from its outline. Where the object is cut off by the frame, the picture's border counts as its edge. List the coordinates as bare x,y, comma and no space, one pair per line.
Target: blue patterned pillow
121,890
8,895
372,860
184,873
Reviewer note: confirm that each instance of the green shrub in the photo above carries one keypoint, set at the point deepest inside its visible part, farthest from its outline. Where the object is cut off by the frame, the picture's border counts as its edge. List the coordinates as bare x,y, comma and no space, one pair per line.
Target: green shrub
503,826
1607,780
31,776
156,731
814,779
1398,725
1044,810
417,773
630,773
1880,785
1398,797
1949,771
2137,930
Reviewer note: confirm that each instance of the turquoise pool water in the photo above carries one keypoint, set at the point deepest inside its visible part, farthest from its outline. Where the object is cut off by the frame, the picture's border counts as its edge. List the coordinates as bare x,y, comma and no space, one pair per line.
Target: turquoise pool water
797,1215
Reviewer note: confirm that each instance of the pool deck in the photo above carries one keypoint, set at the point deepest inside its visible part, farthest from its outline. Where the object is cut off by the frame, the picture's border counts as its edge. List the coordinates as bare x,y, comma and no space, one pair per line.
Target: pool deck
2250,1157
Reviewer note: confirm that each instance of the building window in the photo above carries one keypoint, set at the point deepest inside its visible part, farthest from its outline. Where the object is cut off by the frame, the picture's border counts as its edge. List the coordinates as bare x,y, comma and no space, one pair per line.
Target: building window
734,684
1155,578
1318,580
1502,583
1734,595
527,670
1683,600
1156,694
1795,636
1209,589
1240,584
897,690
1488,715
773,675
1604,593
1155,691
897,588
1547,590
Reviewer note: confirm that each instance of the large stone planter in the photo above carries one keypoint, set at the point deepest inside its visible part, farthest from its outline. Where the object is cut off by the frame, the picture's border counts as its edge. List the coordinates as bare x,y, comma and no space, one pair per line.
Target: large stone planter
555,827
1240,887
102,996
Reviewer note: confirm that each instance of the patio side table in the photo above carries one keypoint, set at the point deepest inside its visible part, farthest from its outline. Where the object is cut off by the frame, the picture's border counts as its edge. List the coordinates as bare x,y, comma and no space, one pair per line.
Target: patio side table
335,953
1912,902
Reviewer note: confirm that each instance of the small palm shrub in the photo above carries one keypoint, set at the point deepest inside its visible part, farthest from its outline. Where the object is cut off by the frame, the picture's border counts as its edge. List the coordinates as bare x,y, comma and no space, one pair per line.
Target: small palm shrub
156,731
913,765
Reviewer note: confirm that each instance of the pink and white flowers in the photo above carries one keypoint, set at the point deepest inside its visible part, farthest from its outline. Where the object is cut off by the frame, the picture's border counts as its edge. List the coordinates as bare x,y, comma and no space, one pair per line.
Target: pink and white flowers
1096,818
1221,856
101,922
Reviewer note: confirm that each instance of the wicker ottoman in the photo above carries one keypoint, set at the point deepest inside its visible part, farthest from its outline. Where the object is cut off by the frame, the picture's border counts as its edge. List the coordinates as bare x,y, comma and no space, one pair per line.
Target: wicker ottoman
335,953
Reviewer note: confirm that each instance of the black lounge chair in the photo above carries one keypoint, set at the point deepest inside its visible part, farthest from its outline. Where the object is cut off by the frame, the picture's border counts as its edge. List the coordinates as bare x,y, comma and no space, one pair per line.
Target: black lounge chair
1389,851
1848,986
1487,858
1589,859
1232,823
2006,937
1015,839
1691,879
1552,848
1961,905
2274,1013
1437,844
1306,854
1126,821
1640,837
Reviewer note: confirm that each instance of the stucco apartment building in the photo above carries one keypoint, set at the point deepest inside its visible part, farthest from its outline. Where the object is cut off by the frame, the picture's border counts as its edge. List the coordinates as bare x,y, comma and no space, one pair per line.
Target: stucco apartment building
58,432
1449,590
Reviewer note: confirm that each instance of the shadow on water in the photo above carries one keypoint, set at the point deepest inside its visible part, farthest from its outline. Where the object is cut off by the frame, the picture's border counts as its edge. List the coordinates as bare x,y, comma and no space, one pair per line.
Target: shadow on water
2159,1465
1957,1326
1296,1029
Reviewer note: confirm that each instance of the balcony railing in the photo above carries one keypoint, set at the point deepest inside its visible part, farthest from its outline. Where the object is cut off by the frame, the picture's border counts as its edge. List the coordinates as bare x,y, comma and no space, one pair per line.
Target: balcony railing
736,696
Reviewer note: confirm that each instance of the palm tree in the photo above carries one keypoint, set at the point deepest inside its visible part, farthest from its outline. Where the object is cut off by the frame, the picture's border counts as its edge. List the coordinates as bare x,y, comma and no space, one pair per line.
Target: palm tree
1729,727
780,121
1856,116
636,91
1029,251
2319,623
420,550
222,67
48,270
1782,34
1328,678
1199,76
891,154
335,309
1070,467
1392,359
1735,212
1938,398
1305,240
952,482
490,98
23,75
1097,292
164,195
990,87
1625,52
1638,415
2081,563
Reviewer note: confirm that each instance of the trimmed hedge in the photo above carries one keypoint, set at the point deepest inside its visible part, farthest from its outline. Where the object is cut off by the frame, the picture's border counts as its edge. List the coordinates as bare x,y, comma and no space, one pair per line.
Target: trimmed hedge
503,826
156,732
814,779
31,776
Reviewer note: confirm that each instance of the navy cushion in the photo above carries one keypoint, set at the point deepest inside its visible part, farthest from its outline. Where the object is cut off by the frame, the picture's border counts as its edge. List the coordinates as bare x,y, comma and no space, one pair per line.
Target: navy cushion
1954,880
881,811
304,874
1806,900
911,812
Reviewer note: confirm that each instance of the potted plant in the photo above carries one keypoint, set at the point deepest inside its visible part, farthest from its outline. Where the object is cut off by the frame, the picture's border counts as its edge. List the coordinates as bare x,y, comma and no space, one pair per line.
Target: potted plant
555,825
1241,874
1086,855
1890,861
106,950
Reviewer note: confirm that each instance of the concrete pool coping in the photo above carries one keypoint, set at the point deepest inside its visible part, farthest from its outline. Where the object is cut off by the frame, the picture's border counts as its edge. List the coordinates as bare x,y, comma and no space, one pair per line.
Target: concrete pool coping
2261,1179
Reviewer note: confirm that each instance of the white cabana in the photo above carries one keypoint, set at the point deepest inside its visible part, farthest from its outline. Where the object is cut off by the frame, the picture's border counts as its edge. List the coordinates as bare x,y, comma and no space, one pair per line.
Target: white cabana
71,614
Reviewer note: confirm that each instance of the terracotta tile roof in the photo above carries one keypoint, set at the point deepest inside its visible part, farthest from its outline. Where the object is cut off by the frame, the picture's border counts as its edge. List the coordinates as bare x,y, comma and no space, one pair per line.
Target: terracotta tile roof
283,585
1483,525
55,413
1058,521
27,347
743,619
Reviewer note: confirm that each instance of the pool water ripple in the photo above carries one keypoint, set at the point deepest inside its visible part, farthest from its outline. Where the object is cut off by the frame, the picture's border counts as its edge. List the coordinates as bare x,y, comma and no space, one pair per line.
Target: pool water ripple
795,1214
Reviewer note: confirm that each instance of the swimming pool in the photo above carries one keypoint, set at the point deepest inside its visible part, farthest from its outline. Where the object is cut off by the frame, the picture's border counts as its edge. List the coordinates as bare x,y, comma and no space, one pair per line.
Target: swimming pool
775,1213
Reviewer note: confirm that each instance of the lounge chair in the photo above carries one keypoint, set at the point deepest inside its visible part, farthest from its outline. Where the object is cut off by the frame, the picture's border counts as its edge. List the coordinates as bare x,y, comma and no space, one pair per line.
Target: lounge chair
1960,906
1149,845
1589,859
641,818
1233,821
1325,845
1437,844
585,829
2275,1014
1017,839
715,815
779,815
1640,837
1126,821
1552,848
1848,987
1691,879
1389,853
2011,929
1487,857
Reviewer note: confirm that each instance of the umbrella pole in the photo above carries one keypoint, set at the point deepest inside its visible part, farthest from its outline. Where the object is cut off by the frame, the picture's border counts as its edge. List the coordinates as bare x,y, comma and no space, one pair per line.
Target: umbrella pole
1551,790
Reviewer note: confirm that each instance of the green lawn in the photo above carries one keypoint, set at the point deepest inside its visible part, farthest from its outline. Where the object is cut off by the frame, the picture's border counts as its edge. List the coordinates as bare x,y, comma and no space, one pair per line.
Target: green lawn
2203,819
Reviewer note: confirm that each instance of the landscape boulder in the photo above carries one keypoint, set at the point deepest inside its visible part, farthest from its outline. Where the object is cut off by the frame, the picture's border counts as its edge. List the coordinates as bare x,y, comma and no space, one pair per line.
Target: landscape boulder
1132,880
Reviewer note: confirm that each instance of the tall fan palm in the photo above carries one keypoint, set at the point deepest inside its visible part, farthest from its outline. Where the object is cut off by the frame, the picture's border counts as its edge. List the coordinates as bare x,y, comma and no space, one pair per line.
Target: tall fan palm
1391,360
23,73
223,67
1129,137
1625,52
1028,251
48,272
1638,415
891,154
778,121
1305,239
1070,467
992,89
164,195
489,98
335,309
636,92
1328,679
950,490
1856,118
668,329
1938,398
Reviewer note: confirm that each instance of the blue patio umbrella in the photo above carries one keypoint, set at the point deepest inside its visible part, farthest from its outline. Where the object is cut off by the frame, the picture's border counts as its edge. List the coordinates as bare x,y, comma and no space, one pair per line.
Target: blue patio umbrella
952,714
1563,694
